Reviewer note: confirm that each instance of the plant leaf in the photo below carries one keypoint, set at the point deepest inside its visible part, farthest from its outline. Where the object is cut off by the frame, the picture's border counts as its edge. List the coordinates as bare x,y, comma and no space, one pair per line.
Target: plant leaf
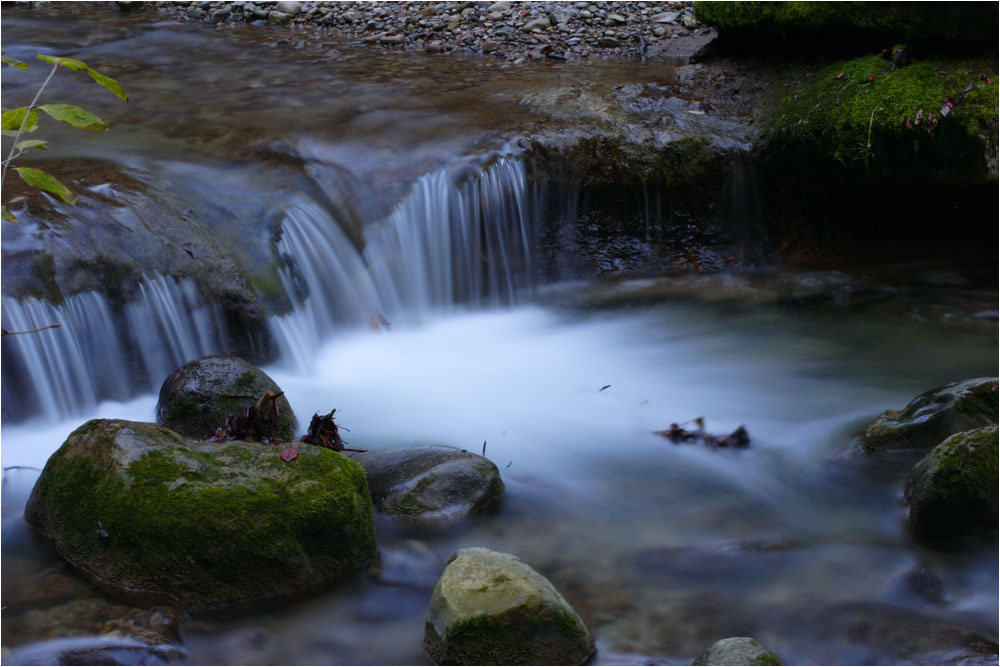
6,215
75,116
45,181
108,83
288,455
14,62
32,143
68,63
76,66
12,118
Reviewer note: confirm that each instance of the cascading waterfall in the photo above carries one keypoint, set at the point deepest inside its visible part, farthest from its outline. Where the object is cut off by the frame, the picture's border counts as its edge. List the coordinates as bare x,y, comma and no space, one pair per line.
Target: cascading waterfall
471,243
69,369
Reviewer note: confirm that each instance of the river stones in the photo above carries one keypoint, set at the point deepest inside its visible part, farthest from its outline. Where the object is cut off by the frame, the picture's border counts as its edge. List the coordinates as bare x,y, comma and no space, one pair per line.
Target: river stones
953,490
206,524
737,651
933,416
196,398
490,608
431,483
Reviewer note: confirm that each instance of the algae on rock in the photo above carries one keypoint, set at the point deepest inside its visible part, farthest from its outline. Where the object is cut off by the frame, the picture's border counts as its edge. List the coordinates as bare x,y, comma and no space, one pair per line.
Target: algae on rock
208,525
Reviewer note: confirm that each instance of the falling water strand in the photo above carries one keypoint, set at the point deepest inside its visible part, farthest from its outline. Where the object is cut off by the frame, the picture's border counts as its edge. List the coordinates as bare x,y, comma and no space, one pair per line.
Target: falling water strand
67,370
471,243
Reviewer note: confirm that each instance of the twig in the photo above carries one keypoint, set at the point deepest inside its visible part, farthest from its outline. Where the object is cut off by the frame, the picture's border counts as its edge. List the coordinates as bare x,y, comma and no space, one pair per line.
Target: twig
4,332
6,468
20,130
484,448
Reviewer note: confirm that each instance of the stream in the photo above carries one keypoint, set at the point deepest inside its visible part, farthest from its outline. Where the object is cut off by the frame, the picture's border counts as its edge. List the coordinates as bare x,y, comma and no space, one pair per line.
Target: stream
662,548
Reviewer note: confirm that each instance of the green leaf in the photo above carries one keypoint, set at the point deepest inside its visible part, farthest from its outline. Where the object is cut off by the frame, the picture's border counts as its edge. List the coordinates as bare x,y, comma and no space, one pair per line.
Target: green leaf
68,63
75,116
108,83
9,133
45,181
12,118
32,143
14,62
77,66
7,215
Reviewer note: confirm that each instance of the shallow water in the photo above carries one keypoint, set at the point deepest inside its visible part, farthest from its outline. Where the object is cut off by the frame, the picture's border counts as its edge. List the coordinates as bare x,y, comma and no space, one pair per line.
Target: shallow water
662,548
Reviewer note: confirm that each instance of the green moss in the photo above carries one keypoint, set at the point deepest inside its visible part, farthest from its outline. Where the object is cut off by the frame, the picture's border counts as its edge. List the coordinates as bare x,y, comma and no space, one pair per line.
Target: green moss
482,640
854,114
980,400
408,505
962,22
205,522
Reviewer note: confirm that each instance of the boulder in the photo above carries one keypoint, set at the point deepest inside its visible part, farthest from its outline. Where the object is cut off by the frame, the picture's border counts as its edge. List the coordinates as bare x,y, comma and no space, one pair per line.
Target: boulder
490,608
953,490
196,398
208,525
737,651
933,416
431,482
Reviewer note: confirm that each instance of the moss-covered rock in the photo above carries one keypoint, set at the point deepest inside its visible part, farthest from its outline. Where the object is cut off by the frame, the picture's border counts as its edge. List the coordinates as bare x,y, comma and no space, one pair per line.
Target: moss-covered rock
775,22
874,121
209,525
953,490
933,416
431,482
737,651
490,608
196,398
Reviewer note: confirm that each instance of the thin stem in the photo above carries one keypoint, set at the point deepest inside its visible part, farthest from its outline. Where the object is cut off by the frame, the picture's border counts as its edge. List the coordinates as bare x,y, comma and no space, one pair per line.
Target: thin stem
20,130
4,332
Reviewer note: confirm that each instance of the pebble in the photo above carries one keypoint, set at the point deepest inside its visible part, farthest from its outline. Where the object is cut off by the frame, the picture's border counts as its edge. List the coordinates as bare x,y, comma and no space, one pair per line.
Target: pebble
513,31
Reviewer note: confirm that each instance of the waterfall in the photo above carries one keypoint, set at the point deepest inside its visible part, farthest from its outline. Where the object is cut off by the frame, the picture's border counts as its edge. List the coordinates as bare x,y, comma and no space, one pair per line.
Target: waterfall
448,243
89,357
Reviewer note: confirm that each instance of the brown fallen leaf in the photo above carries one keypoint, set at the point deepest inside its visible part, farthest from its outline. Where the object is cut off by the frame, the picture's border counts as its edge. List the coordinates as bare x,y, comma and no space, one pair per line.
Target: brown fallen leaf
288,455
839,76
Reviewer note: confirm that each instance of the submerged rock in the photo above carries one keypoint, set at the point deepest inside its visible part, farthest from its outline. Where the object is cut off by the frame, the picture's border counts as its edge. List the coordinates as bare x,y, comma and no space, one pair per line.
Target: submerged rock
737,651
94,651
490,608
431,482
208,525
933,416
953,490
196,398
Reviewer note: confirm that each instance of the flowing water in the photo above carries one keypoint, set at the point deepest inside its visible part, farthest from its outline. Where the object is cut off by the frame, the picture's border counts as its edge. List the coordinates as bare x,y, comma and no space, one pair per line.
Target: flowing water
433,321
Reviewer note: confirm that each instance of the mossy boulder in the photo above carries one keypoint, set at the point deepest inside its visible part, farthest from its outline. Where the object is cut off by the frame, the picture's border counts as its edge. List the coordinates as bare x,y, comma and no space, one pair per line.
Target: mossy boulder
737,651
196,398
933,416
774,23
490,608
864,117
431,483
206,524
953,490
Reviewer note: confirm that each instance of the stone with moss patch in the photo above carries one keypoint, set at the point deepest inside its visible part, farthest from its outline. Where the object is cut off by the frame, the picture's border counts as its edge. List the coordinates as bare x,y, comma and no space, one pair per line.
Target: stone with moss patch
208,525
933,416
431,483
490,608
953,490
737,651
196,398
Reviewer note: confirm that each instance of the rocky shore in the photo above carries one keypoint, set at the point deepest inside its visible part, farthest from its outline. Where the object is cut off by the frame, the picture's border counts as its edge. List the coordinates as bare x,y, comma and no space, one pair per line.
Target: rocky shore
514,32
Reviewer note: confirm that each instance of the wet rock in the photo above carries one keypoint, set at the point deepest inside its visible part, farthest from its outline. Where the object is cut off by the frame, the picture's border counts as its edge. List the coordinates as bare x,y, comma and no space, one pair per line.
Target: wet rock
288,7
207,525
953,490
536,23
665,17
196,398
279,18
737,651
609,42
94,651
490,608
561,15
431,482
933,416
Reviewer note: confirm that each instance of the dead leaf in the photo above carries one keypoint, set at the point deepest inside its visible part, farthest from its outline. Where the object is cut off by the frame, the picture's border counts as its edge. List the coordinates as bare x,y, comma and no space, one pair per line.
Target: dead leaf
871,77
288,455
839,76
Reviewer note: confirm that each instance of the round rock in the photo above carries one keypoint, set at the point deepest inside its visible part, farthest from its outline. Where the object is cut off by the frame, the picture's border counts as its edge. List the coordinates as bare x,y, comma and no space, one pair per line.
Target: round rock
737,651
490,608
197,397
934,415
953,490
431,482
205,524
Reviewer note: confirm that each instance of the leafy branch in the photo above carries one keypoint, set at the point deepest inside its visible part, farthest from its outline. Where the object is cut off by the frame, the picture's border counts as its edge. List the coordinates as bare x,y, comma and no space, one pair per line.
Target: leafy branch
16,122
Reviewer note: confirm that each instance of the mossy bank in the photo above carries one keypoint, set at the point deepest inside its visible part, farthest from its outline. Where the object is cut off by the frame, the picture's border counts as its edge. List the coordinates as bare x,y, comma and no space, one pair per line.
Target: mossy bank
209,525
